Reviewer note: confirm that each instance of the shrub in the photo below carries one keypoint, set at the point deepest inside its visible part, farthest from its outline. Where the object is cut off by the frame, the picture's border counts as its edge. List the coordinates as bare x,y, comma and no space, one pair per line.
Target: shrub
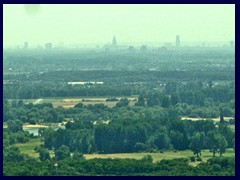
198,159
192,159
147,158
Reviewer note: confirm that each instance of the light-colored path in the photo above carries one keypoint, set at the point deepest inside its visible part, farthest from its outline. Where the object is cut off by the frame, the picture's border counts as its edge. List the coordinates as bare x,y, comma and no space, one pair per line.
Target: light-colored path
38,101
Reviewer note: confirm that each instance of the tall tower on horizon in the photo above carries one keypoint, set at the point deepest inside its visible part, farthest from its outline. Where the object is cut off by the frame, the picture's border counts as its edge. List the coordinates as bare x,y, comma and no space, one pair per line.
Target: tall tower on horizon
178,41
48,46
231,44
25,45
114,42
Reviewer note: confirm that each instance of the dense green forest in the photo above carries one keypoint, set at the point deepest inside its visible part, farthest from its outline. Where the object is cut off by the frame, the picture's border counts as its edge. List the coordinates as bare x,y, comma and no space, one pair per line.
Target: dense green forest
166,87
129,129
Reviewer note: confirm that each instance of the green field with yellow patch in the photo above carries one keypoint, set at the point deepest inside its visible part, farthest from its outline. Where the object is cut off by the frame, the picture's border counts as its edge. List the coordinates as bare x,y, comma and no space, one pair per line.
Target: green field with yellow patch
159,156
28,148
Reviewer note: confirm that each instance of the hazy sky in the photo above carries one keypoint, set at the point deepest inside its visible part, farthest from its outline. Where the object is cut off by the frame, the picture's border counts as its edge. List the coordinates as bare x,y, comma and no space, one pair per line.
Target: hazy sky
87,24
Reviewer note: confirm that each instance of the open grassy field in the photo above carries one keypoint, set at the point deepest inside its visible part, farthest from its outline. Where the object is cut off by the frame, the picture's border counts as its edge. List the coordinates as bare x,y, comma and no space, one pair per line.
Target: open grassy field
68,102
28,148
159,156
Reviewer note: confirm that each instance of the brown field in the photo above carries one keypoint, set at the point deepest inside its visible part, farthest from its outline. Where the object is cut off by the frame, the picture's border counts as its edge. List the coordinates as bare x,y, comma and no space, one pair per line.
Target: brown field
34,126
71,102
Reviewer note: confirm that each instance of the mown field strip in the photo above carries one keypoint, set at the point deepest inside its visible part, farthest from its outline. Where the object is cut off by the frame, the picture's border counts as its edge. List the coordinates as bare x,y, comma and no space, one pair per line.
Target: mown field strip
28,148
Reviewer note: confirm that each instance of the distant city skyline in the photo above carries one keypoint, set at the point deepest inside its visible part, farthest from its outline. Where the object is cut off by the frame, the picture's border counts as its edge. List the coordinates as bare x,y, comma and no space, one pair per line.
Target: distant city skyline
137,44
87,24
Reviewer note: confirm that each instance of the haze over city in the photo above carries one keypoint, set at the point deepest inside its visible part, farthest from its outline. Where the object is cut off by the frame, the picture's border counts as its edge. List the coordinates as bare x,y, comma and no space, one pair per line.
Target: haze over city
97,24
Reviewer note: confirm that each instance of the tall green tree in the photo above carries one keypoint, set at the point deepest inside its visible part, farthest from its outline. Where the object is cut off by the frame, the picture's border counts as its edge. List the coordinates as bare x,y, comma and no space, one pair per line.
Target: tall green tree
162,140
12,154
141,101
222,145
212,141
123,102
15,125
177,140
44,155
197,143
62,153
216,142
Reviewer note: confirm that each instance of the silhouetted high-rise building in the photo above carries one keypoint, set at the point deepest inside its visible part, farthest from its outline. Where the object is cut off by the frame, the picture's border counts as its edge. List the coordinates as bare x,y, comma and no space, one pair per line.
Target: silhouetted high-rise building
177,41
131,48
114,42
25,45
143,48
231,44
48,46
